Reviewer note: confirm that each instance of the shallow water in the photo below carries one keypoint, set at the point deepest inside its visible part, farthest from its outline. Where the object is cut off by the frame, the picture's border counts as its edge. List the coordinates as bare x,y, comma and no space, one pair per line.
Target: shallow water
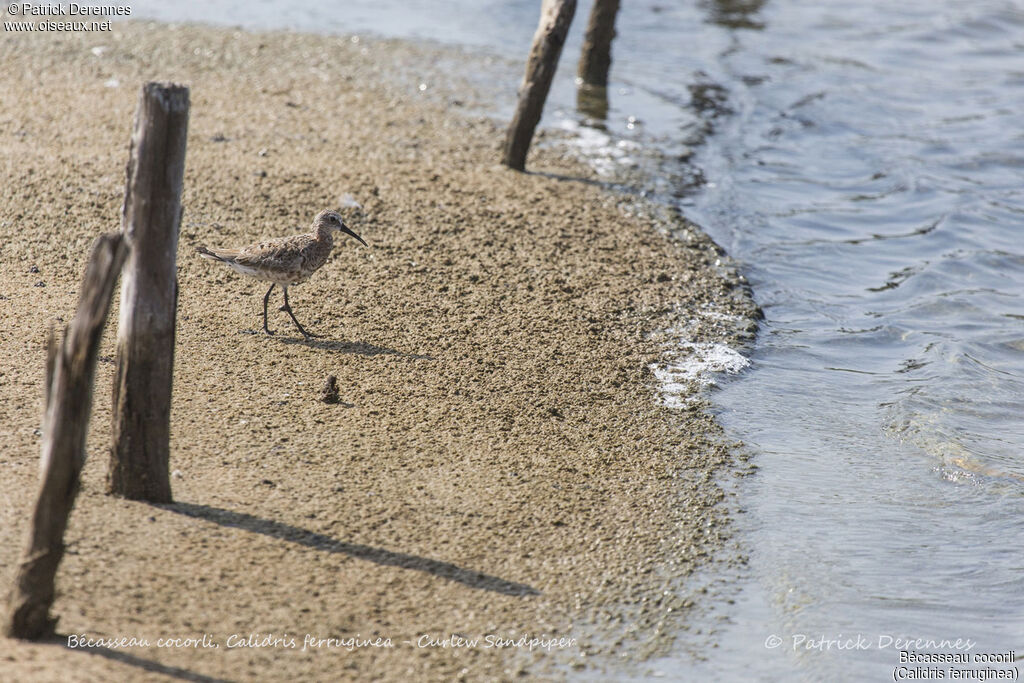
870,178
865,164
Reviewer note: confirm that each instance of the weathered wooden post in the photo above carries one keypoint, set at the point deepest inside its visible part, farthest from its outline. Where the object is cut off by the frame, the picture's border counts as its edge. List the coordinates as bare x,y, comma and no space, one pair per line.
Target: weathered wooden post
70,368
555,18
149,296
596,60
596,56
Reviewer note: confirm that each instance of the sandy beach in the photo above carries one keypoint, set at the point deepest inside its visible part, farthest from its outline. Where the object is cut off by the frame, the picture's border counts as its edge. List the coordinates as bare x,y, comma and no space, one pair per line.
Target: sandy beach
499,464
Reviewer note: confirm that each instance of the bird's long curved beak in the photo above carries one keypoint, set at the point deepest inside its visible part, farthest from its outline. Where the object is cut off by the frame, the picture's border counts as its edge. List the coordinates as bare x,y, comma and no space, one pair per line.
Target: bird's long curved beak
346,229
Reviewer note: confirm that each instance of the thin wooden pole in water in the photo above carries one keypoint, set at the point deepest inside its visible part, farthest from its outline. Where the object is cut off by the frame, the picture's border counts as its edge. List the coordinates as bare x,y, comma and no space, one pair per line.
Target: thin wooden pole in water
596,56
555,18
70,368
596,60
140,454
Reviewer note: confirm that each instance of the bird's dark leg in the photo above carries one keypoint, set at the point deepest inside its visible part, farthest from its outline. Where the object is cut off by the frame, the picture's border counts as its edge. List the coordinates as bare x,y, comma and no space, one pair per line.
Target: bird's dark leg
288,309
266,299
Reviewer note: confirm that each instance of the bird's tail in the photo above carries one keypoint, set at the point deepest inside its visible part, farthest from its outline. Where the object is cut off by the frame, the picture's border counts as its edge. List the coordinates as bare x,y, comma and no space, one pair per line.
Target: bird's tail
213,256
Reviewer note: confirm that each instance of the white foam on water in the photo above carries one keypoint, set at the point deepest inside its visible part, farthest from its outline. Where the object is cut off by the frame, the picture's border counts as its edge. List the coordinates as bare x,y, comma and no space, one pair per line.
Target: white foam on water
597,148
696,367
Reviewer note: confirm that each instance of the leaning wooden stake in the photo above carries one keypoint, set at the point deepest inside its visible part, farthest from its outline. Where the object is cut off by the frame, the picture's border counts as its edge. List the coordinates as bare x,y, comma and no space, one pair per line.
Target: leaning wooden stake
555,17
149,296
69,375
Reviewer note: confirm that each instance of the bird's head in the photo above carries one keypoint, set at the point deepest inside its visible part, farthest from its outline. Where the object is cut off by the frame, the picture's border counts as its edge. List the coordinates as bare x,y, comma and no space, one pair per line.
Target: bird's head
329,221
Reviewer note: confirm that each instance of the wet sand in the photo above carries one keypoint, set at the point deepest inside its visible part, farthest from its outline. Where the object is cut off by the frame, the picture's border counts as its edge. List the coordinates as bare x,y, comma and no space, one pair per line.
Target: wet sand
499,462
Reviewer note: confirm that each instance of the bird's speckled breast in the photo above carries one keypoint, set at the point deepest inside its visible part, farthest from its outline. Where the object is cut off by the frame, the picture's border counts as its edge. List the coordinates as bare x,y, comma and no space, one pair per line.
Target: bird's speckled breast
315,256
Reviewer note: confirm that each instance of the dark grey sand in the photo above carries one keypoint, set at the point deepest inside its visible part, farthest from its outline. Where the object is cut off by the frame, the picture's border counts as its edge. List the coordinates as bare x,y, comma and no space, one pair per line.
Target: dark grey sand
499,461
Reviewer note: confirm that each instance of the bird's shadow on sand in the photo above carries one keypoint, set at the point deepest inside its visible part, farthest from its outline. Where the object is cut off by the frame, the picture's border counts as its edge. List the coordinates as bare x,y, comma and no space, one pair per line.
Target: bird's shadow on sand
360,348
318,541
340,346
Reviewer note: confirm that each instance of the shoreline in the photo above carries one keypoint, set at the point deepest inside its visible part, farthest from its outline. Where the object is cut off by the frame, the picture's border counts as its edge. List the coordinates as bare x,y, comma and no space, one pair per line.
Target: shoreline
500,462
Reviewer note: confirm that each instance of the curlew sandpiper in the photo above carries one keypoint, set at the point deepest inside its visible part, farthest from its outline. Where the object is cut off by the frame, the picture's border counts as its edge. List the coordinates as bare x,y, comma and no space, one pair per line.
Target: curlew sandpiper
285,261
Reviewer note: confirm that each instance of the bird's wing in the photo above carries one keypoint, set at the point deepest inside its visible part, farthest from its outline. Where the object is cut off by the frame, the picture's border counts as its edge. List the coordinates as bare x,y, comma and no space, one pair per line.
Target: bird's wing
285,255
